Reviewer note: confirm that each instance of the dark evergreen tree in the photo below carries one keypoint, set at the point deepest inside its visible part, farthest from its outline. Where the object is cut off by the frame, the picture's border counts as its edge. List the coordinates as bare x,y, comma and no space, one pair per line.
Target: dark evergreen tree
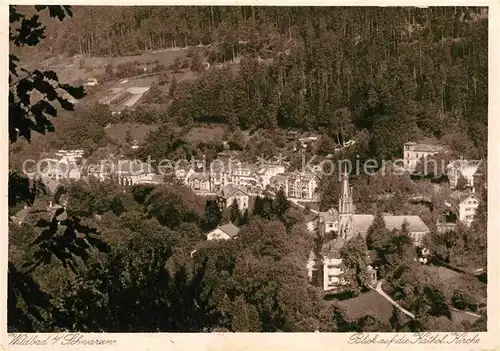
234,212
377,232
264,208
244,218
245,317
128,136
173,87
355,257
257,206
281,203
213,215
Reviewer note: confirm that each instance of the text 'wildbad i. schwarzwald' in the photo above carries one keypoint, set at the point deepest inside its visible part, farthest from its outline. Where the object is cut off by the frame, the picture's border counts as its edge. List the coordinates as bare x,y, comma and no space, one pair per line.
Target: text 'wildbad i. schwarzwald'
72,339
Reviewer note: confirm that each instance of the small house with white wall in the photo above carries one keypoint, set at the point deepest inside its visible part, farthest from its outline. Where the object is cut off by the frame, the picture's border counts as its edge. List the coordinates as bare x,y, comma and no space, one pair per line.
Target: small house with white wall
135,145
91,82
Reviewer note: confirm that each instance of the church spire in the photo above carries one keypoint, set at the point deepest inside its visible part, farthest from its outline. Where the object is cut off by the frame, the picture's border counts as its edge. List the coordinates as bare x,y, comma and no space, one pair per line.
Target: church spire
346,210
345,200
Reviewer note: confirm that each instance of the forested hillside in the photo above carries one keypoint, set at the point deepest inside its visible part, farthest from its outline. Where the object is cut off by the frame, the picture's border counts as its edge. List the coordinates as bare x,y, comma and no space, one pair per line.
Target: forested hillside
402,73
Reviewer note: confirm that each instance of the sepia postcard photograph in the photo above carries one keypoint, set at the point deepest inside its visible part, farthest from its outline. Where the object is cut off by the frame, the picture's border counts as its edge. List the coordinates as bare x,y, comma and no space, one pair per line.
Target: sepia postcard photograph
235,169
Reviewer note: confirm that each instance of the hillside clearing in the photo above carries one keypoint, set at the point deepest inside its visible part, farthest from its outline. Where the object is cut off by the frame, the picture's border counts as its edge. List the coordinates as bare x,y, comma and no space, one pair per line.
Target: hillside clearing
117,132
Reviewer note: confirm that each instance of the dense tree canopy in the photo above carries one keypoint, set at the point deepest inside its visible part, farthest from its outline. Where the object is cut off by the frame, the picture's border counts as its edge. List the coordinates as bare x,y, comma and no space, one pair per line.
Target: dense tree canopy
399,73
25,115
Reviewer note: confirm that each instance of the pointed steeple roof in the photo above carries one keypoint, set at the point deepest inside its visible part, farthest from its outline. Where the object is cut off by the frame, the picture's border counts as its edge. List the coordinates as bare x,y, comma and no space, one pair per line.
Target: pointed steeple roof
345,200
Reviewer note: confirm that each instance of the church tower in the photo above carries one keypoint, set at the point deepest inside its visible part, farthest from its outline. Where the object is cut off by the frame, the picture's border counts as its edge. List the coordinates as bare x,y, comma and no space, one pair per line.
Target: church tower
346,210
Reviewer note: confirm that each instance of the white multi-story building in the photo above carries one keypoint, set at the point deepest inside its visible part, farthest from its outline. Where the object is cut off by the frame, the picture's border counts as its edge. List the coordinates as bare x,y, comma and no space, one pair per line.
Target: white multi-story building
302,186
220,174
333,268
297,185
464,205
199,182
131,172
267,172
244,175
231,193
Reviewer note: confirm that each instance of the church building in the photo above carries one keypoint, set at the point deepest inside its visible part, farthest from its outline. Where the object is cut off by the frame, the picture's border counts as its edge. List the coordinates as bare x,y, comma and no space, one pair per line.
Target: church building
346,223
343,225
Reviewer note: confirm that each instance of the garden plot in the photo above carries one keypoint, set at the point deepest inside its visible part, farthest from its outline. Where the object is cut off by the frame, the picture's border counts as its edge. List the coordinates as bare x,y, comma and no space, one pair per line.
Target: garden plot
124,97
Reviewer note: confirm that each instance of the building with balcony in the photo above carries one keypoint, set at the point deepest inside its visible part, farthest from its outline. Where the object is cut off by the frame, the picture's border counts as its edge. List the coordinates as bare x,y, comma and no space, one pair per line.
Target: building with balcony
413,152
